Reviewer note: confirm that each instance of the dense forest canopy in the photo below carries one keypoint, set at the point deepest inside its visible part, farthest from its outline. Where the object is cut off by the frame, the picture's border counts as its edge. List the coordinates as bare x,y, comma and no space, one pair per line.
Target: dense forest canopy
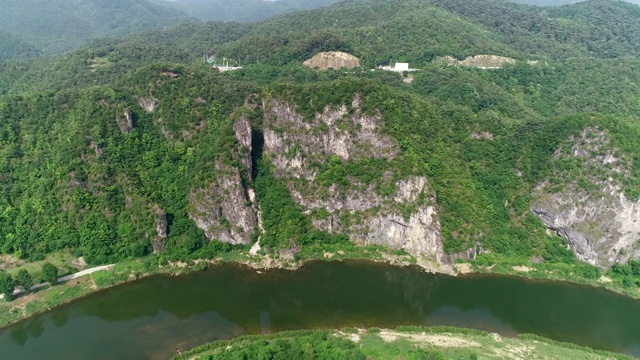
75,178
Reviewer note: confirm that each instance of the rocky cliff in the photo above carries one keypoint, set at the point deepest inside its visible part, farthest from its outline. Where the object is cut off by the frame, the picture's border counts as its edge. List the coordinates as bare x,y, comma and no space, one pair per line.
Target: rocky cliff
226,210
303,151
584,202
391,210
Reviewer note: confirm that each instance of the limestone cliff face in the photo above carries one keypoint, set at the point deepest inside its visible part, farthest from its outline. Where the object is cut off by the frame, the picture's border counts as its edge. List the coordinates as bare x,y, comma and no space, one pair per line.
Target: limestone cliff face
298,148
160,240
600,223
294,142
225,211
242,152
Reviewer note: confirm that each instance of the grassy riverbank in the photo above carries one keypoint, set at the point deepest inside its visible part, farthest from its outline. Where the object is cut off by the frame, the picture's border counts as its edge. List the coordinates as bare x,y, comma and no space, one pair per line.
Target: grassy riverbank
576,273
400,343
132,270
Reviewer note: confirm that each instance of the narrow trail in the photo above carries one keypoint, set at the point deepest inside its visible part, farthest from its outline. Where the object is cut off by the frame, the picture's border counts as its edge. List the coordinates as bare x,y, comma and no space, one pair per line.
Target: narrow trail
65,278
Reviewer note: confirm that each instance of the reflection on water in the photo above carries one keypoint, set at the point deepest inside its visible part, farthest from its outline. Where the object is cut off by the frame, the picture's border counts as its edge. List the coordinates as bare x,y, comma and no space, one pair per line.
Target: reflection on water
157,317
476,319
265,322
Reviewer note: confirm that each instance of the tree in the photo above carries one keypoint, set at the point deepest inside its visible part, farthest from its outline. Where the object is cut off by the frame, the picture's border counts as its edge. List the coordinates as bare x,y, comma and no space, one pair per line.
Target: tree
24,279
50,273
6,285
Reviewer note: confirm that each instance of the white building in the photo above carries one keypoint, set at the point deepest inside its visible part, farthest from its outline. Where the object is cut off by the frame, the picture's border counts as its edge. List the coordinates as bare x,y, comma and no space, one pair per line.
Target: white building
399,67
222,68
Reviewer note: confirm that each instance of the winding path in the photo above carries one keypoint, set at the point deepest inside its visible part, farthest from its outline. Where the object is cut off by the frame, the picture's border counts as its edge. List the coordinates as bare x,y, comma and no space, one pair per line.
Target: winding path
65,278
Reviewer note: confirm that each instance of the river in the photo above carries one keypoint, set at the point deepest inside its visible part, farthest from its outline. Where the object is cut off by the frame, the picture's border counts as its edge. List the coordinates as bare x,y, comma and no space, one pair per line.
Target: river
155,317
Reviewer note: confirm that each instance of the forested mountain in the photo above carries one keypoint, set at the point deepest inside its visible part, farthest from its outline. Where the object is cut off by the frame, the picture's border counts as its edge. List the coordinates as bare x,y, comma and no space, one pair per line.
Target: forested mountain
376,31
241,10
11,47
56,26
134,146
558,2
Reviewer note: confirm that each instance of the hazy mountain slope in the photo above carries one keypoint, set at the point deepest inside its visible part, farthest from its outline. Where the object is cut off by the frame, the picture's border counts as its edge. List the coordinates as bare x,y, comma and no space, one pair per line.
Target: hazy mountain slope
107,60
376,31
557,2
537,32
241,10
11,47
56,26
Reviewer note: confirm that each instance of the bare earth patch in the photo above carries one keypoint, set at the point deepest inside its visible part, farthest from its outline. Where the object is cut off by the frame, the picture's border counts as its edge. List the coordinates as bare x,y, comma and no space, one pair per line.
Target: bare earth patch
604,279
353,337
521,269
463,268
443,340
8,261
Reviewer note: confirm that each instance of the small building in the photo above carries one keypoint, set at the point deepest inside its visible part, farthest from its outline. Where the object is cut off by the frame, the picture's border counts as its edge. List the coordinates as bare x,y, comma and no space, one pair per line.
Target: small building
223,68
398,67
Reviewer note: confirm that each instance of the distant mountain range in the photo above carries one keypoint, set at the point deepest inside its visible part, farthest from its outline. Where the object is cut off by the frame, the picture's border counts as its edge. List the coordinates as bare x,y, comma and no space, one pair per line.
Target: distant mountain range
55,26
557,2
241,10
33,28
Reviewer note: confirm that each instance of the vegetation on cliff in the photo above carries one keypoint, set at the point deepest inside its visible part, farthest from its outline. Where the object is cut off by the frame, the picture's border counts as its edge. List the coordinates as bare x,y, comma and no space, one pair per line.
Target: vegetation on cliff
102,149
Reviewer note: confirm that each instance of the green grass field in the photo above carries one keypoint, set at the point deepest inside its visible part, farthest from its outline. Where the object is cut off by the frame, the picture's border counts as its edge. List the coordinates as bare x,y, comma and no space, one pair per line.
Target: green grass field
401,343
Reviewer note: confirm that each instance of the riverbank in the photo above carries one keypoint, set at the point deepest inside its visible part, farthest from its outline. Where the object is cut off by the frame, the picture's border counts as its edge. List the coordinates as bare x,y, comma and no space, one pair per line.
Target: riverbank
47,298
571,273
400,343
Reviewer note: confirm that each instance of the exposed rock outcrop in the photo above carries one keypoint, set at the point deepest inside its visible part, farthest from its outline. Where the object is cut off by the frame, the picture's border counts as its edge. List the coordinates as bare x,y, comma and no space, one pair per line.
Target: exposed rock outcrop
294,142
332,59
405,220
226,211
477,61
600,223
223,211
242,129
125,124
148,103
160,240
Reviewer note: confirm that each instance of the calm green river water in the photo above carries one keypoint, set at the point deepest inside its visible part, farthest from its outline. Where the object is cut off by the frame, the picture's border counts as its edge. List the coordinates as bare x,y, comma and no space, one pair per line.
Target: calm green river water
156,317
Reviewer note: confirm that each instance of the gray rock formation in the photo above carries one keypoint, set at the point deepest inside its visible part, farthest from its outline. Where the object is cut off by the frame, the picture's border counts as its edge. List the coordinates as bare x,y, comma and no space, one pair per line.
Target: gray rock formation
148,103
599,222
242,129
125,125
226,210
223,211
294,142
160,240
405,220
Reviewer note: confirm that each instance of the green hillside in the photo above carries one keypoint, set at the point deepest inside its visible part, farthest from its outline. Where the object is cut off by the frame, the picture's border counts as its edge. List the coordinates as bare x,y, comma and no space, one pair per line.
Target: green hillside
241,10
99,144
401,343
11,47
56,26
